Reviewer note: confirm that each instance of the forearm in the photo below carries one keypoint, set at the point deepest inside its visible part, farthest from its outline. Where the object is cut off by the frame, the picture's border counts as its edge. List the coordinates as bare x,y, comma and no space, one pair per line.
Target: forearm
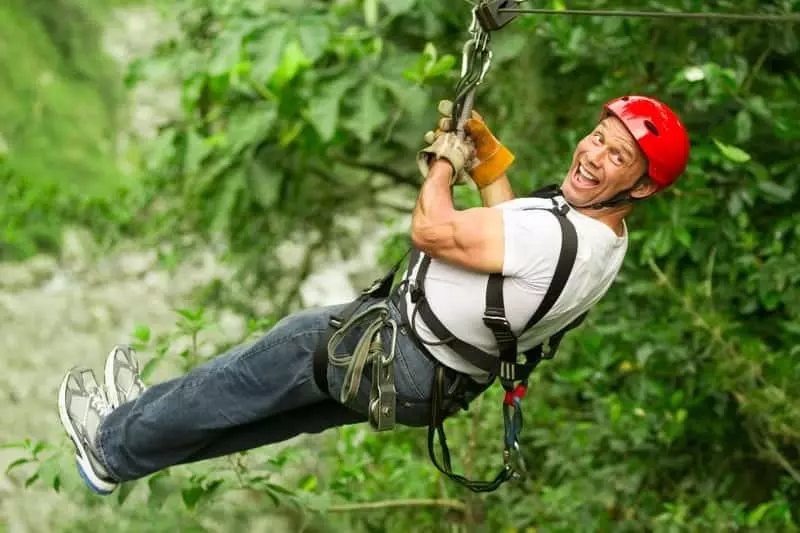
434,207
497,192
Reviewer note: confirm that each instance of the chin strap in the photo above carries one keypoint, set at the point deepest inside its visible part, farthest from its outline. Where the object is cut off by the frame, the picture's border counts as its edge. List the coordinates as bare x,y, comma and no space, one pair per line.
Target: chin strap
622,197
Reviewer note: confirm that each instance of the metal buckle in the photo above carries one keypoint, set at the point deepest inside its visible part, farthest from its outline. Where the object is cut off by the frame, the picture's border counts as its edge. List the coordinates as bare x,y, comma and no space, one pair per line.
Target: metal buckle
489,15
513,461
383,396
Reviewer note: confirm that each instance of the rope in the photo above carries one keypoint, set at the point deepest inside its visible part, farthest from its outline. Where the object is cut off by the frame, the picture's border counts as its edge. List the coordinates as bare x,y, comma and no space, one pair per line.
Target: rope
786,17
369,346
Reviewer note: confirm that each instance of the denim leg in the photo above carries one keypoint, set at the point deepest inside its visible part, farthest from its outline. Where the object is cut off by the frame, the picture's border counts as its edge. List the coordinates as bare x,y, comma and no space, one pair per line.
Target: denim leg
314,418
254,394
175,419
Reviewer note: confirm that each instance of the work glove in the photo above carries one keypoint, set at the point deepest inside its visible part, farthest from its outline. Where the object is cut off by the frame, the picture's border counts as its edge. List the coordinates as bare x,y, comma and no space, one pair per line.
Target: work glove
460,153
492,158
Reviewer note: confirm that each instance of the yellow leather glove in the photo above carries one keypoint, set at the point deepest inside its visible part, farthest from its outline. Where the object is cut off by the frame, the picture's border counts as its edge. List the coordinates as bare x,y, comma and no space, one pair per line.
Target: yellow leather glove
492,157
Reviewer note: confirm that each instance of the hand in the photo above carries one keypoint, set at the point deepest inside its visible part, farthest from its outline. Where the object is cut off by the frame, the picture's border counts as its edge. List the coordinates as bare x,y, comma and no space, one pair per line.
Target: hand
459,153
492,158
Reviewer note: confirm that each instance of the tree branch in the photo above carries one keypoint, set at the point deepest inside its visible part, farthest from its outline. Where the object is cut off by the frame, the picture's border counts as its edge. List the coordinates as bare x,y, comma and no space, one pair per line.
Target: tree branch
453,505
380,169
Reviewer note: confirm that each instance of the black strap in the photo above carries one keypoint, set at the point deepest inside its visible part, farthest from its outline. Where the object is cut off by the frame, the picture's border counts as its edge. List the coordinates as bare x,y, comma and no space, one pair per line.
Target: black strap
436,428
506,366
381,288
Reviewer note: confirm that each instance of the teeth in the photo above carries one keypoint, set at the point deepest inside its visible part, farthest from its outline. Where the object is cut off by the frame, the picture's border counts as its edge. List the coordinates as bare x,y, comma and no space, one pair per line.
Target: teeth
586,175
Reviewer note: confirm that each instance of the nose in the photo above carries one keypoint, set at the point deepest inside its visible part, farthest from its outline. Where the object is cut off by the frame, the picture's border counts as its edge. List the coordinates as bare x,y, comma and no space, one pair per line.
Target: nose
595,157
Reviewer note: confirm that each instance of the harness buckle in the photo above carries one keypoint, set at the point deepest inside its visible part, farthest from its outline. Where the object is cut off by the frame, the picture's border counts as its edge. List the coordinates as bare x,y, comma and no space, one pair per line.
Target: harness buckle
383,397
513,461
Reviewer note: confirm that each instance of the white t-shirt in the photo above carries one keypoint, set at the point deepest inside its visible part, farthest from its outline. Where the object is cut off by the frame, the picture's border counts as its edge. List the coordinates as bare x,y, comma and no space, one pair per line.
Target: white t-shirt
532,245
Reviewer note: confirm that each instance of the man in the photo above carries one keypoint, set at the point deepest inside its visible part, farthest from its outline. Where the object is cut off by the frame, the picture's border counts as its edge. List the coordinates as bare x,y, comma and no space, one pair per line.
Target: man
272,389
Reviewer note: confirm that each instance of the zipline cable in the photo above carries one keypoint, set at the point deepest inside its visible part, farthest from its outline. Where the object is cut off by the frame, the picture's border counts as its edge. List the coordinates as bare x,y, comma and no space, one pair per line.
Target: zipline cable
786,17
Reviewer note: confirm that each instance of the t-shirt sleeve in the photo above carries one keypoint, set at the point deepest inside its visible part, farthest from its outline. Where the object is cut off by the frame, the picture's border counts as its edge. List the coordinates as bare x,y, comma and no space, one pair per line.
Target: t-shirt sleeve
532,244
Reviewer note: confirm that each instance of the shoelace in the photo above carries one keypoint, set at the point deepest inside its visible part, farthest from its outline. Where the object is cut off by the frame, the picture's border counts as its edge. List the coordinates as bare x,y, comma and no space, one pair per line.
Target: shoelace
97,401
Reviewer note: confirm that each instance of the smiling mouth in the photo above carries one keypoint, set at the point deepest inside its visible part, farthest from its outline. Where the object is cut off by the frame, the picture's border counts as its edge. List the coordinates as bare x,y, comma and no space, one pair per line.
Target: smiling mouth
583,179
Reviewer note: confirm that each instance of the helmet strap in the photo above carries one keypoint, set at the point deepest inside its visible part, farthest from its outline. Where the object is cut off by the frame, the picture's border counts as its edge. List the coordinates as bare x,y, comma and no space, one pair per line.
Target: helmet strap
622,197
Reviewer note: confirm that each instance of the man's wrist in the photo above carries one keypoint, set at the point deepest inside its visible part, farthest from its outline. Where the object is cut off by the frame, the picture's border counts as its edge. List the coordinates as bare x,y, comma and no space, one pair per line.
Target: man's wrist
441,167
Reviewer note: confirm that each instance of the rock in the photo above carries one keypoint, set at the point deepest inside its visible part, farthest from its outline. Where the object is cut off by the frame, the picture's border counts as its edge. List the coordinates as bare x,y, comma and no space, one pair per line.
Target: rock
16,276
77,248
137,264
42,267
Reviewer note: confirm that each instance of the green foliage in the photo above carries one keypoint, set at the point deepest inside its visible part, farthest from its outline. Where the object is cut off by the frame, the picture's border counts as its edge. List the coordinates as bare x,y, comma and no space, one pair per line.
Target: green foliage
675,407
59,94
35,213
60,99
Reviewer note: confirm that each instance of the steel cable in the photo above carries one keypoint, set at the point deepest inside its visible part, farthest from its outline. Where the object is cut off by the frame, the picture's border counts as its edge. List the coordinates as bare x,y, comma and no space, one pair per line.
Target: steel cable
786,17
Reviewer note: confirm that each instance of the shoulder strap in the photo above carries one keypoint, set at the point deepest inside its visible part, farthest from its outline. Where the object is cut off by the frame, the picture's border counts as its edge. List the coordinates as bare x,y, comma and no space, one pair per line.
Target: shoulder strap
495,315
566,260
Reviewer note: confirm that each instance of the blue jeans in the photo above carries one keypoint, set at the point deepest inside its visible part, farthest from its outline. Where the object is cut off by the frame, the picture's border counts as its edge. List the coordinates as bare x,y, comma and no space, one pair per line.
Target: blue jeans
261,393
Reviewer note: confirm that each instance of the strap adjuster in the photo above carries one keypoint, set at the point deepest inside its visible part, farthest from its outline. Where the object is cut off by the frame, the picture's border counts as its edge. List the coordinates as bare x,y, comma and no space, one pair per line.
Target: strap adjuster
495,318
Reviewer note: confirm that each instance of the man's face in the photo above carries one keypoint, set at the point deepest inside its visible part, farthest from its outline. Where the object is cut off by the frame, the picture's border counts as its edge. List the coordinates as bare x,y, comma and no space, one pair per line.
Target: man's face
605,162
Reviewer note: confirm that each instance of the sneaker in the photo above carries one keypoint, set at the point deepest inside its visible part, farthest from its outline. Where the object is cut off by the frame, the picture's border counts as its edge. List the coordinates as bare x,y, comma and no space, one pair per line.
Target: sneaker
82,407
123,382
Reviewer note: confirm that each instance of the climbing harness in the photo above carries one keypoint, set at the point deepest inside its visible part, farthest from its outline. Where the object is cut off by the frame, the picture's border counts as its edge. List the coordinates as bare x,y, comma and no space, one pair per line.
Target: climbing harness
373,311
369,350
513,375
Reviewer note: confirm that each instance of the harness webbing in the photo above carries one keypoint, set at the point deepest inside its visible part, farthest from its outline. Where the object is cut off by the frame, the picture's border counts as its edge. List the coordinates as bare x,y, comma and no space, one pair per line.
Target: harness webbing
506,366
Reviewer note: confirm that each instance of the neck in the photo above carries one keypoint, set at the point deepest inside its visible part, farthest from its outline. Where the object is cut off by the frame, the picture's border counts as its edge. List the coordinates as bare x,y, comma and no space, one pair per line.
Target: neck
610,216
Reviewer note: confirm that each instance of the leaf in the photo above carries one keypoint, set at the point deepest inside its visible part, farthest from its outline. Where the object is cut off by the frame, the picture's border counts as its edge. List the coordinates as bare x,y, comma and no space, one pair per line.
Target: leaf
324,110
17,444
31,480
744,126
191,496
758,513
776,191
371,13
508,46
737,155
398,7
292,62
161,487
125,490
250,125
149,367
369,114
235,183
264,183
441,67
308,484
141,333
18,462
270,50
314,38
195,152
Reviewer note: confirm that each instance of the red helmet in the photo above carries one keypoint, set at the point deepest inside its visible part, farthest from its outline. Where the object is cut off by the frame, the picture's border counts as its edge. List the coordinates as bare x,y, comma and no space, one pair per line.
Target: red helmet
659,133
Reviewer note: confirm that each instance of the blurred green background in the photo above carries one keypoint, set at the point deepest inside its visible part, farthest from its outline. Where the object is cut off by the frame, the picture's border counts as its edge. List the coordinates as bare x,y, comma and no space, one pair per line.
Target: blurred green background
674,408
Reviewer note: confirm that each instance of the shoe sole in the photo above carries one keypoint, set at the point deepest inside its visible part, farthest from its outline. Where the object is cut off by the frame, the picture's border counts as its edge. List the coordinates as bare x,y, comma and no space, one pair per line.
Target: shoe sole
85,469
108,373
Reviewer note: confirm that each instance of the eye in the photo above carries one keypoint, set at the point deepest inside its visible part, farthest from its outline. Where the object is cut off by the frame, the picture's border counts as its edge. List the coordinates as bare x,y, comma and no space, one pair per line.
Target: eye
617,157
597,137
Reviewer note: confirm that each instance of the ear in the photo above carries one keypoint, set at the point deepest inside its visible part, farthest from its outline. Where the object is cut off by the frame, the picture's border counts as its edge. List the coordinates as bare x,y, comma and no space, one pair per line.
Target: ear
644,188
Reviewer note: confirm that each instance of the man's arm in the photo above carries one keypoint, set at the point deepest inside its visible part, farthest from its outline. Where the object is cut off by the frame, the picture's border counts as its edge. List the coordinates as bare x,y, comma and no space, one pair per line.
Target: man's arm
497,192
473,239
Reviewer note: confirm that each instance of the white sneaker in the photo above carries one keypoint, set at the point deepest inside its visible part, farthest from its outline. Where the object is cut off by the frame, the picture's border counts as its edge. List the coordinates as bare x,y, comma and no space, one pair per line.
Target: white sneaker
82,407
123,382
